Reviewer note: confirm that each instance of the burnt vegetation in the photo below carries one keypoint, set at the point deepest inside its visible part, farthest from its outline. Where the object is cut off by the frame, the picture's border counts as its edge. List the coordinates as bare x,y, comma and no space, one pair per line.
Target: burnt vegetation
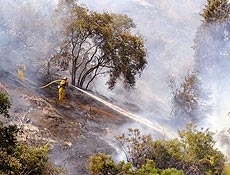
102,44
194,152
16,157
189,101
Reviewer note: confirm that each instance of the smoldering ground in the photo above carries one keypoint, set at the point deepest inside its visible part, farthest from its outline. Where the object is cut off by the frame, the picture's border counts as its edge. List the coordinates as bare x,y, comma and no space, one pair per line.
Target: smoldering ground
169,29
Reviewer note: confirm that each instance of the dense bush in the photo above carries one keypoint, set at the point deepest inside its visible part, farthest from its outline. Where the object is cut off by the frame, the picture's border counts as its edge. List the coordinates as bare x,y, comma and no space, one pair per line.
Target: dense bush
4,104
193,153
102,164
17,158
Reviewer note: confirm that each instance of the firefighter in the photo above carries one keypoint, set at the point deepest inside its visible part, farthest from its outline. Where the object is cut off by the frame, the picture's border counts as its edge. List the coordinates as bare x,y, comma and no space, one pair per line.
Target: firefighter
61,88
21,68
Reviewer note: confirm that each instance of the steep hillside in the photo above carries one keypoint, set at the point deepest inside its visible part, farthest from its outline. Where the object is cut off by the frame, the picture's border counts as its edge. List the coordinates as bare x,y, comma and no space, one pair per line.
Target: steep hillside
74,128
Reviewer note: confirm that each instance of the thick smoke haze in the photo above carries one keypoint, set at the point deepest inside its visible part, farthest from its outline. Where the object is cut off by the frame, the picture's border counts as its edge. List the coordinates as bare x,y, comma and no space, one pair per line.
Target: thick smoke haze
169,29
212,61
28,34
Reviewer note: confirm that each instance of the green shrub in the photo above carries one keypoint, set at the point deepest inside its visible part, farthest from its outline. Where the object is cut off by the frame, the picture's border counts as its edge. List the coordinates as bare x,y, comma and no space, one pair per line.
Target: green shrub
193,153
17,158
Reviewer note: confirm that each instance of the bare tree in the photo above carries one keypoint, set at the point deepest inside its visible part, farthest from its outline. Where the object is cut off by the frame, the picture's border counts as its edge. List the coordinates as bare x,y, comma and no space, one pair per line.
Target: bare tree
189,101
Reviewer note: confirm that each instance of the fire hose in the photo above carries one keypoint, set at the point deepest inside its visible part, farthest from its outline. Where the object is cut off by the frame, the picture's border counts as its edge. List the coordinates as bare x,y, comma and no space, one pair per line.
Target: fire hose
128,114
71,86
50,83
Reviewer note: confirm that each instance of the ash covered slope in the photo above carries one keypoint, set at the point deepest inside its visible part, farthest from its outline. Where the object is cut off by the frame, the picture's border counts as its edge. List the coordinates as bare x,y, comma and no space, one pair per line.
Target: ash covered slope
73,128
168,28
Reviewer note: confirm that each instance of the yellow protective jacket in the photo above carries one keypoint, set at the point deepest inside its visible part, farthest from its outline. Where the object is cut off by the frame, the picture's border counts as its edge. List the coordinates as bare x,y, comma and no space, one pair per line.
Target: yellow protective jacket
63,84
61,89
21,69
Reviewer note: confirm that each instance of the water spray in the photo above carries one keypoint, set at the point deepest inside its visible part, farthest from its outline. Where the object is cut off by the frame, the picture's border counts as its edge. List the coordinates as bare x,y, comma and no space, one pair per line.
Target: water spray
153,125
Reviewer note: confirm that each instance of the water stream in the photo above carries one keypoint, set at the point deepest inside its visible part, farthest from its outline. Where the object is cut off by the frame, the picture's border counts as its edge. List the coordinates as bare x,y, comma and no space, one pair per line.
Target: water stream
153,125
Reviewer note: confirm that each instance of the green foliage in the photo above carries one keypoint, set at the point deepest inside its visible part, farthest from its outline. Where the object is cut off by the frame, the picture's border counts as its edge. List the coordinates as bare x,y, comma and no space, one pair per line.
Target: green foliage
17,158
101,43
102,164
4,104
172,171
135,147
216,11
148,168
8,139
226,169
138,149
198,146
193,152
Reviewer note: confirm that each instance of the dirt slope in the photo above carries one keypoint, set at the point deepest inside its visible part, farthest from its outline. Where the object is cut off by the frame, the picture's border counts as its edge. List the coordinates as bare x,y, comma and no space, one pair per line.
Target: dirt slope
74,128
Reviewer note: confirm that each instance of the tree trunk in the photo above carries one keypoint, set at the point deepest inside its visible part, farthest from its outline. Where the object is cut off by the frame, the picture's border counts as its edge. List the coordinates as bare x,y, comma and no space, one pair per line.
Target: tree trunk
73,73
86,74
48,67
95,74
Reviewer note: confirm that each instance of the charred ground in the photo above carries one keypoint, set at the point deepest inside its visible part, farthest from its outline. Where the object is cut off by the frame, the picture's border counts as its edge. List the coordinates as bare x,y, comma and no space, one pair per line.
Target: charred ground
75,128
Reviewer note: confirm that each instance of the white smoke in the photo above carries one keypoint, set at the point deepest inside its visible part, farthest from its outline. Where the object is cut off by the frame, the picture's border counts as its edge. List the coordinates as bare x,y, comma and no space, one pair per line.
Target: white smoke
27,34
169,28
217,77
212,61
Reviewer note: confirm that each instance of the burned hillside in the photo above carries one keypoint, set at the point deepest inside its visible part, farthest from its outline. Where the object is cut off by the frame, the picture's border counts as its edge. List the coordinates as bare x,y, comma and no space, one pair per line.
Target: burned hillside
73,128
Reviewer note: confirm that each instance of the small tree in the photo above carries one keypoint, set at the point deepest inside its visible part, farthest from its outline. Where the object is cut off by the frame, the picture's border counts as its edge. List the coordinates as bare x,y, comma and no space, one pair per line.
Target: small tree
101,43
199,148
135,147
212,38
140,148
188,100
102,164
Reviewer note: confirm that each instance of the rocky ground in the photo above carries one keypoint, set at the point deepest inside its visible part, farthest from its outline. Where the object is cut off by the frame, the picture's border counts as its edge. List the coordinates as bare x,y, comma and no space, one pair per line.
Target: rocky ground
75,128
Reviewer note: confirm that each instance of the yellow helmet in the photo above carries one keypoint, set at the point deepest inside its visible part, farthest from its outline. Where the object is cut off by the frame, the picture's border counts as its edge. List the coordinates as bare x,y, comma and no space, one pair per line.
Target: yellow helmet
65,78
